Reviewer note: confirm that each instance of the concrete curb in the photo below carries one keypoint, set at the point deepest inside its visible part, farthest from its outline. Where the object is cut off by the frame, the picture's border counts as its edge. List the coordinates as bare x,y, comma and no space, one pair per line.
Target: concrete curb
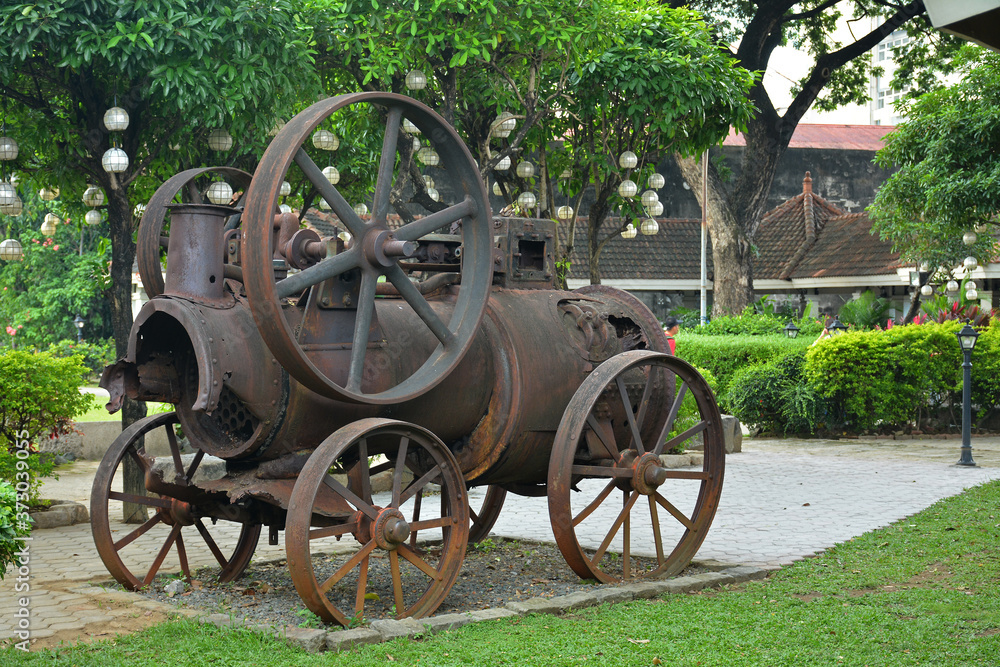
60,513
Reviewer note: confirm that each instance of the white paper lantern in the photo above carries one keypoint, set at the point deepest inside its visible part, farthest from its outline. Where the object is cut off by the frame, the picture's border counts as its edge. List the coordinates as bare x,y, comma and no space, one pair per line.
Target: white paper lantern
926,290
627,189
331,174
7,193
970,263
503,164
496,189
285,208
952,286
428,181
564,213
8,148
629,232
49,224
325,140
655,210
286,188
14,180
416,80
655,181
504,124
628,160
220,192
93,217
409,127
115,160
139,210
649,227
649,197
971,285
433,194
115,119
428,156
11,251
49,194
323,204
566,174
219,140
93,196
971,295
969,238
14,208
525,169
526,200
361,209
273,132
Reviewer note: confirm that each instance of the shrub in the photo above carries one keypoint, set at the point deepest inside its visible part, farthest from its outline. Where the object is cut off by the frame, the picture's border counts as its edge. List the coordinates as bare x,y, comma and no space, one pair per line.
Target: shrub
39,396
687,414
10,527
866,312
725,355
94,355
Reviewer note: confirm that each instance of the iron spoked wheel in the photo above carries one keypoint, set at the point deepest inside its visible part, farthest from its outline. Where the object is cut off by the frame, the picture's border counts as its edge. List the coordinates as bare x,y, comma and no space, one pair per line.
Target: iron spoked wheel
151,243
176,534
616,512
376,250
388,470
482,520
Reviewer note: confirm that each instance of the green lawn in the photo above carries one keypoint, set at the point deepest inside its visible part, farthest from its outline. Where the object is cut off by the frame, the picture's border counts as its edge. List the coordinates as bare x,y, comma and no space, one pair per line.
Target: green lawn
97,412
921,592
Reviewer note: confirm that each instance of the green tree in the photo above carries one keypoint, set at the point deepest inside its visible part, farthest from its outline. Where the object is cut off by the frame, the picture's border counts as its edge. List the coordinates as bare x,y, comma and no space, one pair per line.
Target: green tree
838,75
948,179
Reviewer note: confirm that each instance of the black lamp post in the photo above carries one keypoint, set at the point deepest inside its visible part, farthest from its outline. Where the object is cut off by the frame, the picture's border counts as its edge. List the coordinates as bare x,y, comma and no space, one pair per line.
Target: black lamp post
967,340
791,330
78,321
836,327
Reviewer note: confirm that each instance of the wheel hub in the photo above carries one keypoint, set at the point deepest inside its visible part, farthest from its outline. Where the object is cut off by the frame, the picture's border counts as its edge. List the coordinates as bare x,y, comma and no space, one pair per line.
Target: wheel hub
181,512
649,474
381,249
391,529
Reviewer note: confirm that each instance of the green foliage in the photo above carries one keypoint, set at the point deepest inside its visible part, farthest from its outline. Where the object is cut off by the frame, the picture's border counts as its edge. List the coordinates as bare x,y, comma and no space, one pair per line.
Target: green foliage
774,396
39,396
94,355
723,356
939,308
948,154
687,415
866,312
14,523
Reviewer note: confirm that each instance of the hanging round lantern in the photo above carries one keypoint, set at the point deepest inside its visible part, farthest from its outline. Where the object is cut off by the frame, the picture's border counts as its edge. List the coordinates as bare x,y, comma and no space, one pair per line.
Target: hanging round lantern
416,145
971,285
525,169
325,140
49,224
220,193
416,80
564,213
14,208
139,210
649,197
49,194
286,188
952,286
93,217
219,140
971,295
629,232
14,180
115,119
433,194
7,193
496,189
93,196
428,156
409,127
361,209
323,204
331,174
566,174
627,189
503,164
655,209
970,263
428,181
504,124
649,227
285,208
8,149
273,132
926,290
344,236
628,160
970,238
114,160
655,181
526,200
11,251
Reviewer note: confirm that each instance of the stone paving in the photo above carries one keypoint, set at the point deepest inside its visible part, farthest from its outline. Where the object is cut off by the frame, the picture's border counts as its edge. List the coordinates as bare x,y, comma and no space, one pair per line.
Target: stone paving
782,501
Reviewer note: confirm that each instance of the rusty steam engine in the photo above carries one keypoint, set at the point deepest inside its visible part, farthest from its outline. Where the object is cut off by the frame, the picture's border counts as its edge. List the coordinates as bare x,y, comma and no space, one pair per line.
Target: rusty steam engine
351,394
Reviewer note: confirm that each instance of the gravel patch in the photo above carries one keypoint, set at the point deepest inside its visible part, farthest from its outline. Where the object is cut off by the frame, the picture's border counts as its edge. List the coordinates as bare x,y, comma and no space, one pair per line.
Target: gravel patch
494,572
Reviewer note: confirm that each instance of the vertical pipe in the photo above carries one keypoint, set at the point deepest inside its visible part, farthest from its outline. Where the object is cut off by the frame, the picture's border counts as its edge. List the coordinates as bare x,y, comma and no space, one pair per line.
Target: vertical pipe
704,238
966,459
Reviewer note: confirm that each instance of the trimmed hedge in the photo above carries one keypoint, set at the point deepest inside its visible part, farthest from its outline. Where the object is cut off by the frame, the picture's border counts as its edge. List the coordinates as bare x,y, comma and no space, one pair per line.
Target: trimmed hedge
725,355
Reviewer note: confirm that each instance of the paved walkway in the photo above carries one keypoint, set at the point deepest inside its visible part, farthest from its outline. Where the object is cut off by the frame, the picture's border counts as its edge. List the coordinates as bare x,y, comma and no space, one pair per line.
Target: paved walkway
782,500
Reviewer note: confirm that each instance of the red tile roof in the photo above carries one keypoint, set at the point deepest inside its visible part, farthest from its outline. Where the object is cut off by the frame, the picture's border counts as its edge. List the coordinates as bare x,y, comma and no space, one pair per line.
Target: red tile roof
846,137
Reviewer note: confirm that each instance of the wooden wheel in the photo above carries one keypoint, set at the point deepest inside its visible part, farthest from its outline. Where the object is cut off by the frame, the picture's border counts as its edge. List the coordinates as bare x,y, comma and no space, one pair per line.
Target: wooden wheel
616,512
135,554
482,520
386,573
190,186
375,250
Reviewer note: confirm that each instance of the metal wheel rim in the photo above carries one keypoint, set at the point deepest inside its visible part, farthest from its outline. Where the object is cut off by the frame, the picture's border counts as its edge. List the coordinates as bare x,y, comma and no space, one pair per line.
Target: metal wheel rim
482,521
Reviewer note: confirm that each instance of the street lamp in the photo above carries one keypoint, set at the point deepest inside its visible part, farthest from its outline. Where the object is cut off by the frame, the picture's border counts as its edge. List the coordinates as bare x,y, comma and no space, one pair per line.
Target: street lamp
836,327
78,322
791,330
967,340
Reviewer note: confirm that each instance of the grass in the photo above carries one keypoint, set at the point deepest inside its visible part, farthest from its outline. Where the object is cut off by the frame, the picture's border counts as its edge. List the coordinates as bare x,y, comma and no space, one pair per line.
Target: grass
923,591
98,413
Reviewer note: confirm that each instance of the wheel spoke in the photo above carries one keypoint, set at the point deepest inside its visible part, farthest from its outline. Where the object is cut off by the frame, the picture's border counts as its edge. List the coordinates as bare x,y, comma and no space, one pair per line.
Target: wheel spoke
678,439
647,394
420,305
668,426
598,429
383,183
135,534
674,512
416,516
359,598
688,474
350,497
435,221
657,540
362,329
140,500
594,504
419,484
175,452
397,475
599,554
397,583
421,564
328,268
347,567
430,523
194,464
361,473
182,556
626,540
212,546
327,191
174,532
140,459
332,531
194,192
627,405
601,471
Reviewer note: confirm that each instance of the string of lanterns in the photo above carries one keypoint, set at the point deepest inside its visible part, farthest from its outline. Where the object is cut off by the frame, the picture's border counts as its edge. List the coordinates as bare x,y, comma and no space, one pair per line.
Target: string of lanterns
10,202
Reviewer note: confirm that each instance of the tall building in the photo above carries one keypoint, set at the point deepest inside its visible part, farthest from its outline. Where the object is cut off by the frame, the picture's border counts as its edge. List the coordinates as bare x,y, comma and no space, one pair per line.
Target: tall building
882,107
